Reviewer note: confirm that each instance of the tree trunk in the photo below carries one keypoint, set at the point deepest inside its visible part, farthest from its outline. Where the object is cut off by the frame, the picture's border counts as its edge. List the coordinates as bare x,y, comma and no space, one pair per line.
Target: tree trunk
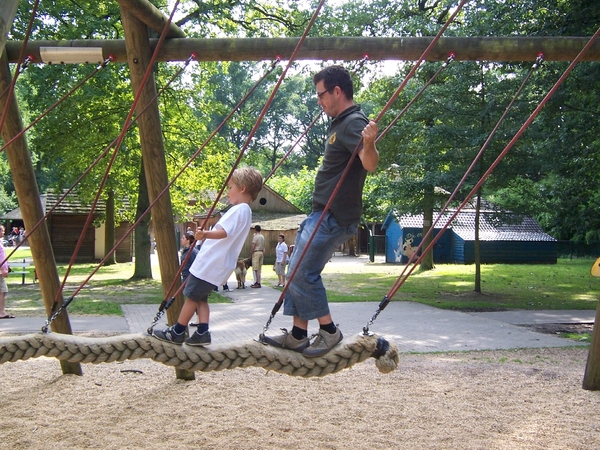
26,188
427,261
109,229
477,243
142,265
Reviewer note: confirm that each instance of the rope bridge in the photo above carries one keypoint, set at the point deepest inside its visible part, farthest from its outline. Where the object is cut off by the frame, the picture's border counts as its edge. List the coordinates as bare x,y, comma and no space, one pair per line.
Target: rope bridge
241,354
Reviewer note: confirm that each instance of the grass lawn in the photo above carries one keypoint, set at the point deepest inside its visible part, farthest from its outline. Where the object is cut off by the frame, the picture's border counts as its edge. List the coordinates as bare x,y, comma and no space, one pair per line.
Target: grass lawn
104,294
566,285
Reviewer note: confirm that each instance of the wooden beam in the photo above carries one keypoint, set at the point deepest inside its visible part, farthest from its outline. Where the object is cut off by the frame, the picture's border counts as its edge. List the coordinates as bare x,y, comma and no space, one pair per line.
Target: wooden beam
591,379
151,16
341,48
23,175
8,9
155,165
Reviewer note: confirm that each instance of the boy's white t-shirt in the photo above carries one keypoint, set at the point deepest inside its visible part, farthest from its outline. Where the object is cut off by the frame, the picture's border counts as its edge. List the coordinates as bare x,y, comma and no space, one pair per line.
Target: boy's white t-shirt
217,257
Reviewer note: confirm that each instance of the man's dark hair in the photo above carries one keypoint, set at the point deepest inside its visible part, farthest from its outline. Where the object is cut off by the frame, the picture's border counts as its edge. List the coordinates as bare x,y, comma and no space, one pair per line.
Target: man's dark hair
333,76
257,228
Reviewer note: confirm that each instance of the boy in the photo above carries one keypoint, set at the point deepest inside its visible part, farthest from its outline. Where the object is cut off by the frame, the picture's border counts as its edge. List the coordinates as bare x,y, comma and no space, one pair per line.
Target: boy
216,259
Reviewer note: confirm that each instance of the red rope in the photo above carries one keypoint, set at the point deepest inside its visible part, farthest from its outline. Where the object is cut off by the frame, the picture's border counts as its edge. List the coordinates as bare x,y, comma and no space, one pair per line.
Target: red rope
260,118
99,158
20,65
395,287
166,189
297,141
90,217
62,99
526,124
225,120
414,99
355,153
292,147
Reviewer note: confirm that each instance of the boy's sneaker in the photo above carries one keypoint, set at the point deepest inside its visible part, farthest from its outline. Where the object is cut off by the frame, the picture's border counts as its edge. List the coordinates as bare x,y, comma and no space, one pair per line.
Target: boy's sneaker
199,340
169,335
286,340
323,343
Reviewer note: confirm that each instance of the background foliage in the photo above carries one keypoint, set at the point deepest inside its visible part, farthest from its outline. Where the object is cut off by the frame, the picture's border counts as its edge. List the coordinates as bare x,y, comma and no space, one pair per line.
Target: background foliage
550,173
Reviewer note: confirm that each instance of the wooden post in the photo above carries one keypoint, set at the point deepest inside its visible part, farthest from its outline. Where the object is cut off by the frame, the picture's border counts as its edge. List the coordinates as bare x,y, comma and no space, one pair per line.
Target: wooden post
153,156
151,16
25,183
8,9
591,379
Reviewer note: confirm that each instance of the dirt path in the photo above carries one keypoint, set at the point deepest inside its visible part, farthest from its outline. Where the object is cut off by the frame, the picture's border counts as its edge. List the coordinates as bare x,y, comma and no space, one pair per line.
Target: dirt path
525,399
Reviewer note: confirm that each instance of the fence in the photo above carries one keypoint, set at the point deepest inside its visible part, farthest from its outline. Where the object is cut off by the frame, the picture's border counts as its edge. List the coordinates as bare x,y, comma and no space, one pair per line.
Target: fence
577,249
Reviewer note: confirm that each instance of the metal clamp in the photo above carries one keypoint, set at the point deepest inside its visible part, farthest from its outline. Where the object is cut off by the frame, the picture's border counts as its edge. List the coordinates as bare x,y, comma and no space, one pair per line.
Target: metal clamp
55,314
161,311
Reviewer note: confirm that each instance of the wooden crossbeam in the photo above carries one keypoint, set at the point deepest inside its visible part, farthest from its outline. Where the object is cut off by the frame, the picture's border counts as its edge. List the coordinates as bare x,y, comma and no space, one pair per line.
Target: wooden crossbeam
340,48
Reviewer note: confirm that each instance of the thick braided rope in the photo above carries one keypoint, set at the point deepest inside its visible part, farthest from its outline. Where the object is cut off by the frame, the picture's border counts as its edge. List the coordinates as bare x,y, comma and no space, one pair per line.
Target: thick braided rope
205,359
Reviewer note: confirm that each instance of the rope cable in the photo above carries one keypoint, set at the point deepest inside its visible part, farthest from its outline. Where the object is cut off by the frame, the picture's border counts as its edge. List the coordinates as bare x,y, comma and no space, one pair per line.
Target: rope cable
63,98
497,161
536,64
120,139
291,276
308,128
164,304
20,65
97,160
259,120
193,157
414,99
400,280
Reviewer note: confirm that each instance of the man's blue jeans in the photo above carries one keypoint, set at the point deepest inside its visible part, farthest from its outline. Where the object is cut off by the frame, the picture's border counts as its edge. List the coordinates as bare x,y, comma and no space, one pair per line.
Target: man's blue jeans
305,296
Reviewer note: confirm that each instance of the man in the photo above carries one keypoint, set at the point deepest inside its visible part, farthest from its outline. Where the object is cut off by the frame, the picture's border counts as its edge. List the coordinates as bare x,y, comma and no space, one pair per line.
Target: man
306,298
258,253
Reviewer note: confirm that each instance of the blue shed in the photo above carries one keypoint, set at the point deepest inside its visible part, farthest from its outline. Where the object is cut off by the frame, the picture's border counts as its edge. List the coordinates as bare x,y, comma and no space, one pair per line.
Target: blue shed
512,240
404,234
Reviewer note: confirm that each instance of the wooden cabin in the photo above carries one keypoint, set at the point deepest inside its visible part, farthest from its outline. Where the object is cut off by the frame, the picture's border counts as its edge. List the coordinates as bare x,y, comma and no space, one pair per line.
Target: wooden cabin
65,224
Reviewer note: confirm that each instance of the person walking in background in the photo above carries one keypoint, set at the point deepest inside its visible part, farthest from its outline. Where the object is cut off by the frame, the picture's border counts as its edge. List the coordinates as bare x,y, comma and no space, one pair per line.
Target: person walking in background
305,297
281,256
3,276
258,253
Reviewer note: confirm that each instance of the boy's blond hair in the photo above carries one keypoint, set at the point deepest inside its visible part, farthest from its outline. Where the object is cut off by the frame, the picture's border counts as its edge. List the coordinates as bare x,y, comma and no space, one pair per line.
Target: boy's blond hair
250,178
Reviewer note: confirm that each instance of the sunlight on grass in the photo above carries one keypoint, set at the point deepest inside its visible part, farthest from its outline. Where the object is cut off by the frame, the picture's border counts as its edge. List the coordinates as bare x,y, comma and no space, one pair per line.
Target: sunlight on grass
566,285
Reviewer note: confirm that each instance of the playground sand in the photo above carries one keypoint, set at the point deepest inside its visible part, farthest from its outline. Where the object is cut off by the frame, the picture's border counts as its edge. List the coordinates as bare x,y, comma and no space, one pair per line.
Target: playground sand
523,399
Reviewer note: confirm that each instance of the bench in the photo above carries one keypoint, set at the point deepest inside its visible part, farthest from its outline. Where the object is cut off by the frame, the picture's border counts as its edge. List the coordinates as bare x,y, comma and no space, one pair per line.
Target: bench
22,268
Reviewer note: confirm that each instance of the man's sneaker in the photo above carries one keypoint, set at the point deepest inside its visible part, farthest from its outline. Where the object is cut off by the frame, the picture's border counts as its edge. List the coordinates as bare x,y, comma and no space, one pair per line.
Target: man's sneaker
323,343
198,339
286,340
169,335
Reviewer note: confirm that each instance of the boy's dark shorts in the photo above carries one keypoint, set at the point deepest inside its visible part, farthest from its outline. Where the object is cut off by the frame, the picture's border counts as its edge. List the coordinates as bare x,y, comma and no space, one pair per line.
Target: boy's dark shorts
197,290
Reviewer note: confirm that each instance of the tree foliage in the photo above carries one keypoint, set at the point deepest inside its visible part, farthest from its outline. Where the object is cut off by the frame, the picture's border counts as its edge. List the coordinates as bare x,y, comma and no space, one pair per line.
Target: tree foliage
549,173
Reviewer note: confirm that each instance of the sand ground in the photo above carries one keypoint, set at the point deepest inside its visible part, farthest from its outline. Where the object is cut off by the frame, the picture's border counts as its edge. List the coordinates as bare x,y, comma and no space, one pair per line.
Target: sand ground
521,399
